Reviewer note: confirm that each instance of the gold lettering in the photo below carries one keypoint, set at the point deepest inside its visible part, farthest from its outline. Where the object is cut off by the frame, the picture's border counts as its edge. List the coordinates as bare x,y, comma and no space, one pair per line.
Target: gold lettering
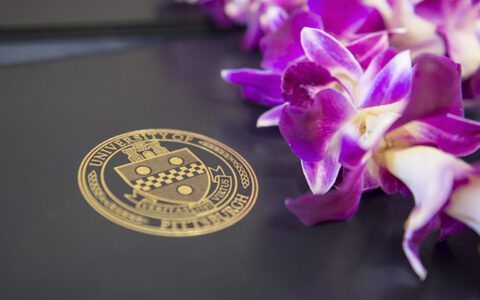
166,224
120,143
95,163
111,147
162,135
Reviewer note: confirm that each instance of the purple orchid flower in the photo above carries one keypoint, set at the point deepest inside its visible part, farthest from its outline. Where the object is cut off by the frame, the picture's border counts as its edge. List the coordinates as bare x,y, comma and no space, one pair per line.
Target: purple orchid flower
264,86
444,27
430,116
346,20
329,95
283,46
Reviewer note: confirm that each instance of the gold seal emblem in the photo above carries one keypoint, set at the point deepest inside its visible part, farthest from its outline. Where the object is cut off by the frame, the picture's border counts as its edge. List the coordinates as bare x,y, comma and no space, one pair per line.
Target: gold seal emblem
168,182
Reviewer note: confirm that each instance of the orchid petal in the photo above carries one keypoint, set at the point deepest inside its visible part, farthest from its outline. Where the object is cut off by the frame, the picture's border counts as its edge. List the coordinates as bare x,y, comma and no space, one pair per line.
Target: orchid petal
337,205
321,175
391,84
340,17
449,226
420,35
412,240
253,34
302,80
377,64
326,51
272,18
430,10
370,177
459,28
429,174
283,46
374,22
450,133
259,86
464,205
471,86
216,9
271,117
352,152
368,47
375,122
309,131
435,88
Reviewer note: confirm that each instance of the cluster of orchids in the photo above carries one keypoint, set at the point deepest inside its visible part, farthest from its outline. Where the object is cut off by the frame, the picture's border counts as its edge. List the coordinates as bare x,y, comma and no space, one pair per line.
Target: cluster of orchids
369,94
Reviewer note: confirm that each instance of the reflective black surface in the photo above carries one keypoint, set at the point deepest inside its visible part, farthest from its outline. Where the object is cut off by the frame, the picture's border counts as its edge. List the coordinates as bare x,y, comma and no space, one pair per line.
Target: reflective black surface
54,13
53,245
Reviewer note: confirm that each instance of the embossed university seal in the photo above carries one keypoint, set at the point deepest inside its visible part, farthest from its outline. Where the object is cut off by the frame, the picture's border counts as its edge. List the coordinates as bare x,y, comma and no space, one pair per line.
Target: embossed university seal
168,182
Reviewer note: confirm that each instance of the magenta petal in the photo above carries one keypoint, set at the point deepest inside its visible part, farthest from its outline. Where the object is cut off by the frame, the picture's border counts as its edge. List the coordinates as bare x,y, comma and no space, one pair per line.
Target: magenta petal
412,242
309,131
369,46
283,46
340,17
351,153
389,183
337,205
216,8
301,79
321,175
253,34
471,86
391,84
326,51
450,133
374,22
430,10
377,64
259,86
435,88
271,117
449,226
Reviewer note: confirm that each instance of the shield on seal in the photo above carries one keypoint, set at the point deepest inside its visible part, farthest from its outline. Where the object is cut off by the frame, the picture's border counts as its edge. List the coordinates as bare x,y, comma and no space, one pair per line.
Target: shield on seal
177,176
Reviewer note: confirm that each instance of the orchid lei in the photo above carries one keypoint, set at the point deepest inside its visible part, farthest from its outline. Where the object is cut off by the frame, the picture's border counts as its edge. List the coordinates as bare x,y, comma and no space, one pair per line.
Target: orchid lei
368,94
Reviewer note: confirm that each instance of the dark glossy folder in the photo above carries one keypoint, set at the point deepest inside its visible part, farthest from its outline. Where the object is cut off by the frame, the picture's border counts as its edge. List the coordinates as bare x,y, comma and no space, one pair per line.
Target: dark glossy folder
53,245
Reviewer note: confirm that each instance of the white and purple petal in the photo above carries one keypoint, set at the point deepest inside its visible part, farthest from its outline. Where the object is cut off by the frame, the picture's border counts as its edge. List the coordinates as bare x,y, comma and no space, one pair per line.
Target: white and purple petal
450,133
326,51
351,152
465,204
429,174
392,83
460,30
377,64
361,136
271,117
413,239
321,175
368,47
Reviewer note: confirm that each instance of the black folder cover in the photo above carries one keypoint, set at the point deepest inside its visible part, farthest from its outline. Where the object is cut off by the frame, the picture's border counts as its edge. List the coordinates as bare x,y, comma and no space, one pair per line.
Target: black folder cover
53,245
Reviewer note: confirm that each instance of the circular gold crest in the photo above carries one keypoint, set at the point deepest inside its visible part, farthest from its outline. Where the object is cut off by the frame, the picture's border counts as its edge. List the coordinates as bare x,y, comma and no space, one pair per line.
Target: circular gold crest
168,182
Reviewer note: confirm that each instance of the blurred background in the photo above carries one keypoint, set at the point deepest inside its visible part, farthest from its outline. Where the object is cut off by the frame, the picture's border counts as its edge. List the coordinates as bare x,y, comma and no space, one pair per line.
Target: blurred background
40,30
